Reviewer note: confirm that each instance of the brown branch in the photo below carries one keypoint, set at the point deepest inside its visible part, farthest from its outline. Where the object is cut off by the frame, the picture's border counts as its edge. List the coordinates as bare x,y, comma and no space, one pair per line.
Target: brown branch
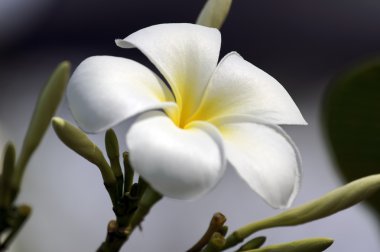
216,224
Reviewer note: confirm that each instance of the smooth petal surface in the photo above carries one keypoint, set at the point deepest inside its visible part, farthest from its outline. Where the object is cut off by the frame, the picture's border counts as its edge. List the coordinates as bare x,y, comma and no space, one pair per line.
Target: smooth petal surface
178,163
106,90
266,158
186,54
239,88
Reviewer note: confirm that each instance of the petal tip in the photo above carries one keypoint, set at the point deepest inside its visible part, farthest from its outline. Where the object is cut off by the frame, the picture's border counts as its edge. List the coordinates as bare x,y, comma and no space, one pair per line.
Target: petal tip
301,120
289,202
123,44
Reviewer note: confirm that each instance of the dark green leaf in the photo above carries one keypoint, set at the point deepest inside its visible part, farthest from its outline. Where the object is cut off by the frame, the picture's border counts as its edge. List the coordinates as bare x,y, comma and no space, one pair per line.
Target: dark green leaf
351,116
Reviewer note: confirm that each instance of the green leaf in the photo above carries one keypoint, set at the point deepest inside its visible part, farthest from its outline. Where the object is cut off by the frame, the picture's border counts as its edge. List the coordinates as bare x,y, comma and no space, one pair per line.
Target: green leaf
351,119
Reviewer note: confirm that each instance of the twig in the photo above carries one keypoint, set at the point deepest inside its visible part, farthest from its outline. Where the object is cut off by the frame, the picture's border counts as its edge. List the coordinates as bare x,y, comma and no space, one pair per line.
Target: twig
216,224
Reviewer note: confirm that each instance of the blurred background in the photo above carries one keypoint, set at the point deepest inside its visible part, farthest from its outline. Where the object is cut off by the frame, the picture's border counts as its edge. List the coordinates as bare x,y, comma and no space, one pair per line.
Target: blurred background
303,44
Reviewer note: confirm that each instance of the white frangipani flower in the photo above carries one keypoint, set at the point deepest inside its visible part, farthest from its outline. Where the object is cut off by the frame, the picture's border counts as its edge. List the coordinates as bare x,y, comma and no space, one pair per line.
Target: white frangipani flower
183,137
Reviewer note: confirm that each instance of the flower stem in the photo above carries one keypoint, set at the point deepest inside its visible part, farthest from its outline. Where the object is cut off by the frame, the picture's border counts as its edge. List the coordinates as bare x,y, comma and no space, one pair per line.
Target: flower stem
6,177
310,245
329,204
119,230
112,148
147,201
115,238
216,223
78,141
21,214
215,243
255,243
128,173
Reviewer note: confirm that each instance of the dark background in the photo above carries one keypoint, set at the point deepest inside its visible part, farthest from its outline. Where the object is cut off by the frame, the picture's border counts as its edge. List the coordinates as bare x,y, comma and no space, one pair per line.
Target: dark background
303,38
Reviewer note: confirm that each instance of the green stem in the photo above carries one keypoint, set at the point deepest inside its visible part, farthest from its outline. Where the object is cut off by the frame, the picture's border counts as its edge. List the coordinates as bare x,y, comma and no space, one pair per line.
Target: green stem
120,230
215,225
215,244
309,245
6,177
253,244
148,200
142,186
112,148
112,190
78,141
115,238
130,203
128,173
329,204
239,235
22,214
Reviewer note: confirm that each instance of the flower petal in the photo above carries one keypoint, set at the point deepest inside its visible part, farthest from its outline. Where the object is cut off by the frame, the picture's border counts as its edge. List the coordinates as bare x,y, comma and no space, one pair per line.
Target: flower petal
179,163
266,158
106,90
238,87
186,54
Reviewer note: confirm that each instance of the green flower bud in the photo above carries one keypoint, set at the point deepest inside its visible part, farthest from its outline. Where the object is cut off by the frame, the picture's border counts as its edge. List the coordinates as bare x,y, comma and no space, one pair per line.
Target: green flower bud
309,245
112,148
214,13
78,141
46,106
255,243
331,203
112,145
128,173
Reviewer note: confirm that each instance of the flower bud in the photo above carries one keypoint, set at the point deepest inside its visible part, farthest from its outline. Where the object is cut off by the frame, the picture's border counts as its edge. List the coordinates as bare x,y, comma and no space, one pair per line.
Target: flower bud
214,13
46,106
78,141
311,245
112,148
255,243
329,204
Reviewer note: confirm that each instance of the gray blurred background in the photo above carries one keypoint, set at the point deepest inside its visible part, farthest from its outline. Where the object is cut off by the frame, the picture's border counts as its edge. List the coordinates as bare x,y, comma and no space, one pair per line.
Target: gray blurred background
301,43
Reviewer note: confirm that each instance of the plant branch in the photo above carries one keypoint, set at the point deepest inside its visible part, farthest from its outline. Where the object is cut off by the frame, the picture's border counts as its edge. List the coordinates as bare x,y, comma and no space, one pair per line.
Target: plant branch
216,223
329,204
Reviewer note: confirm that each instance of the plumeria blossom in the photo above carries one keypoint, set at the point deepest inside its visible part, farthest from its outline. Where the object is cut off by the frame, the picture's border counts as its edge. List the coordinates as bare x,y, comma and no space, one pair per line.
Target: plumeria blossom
205,117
